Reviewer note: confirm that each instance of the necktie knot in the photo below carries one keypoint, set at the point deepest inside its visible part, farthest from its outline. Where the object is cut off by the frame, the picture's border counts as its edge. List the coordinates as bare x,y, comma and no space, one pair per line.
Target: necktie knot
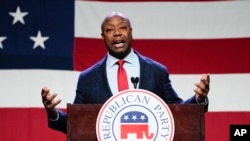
120,63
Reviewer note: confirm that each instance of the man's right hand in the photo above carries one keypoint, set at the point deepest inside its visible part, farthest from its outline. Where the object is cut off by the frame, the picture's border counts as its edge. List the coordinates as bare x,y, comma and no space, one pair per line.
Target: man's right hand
49,102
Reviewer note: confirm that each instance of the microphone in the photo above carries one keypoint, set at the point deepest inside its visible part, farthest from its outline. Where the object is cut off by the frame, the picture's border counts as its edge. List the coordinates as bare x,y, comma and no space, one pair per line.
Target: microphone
135,81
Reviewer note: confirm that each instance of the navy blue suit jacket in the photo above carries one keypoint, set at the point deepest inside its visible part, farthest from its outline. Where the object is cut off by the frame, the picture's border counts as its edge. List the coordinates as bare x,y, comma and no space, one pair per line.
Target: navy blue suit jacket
93,87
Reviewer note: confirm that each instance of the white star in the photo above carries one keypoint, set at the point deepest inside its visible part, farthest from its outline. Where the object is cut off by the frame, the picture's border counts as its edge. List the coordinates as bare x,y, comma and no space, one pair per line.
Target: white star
126,117
142,117
134,117
39,40
18,16
1,40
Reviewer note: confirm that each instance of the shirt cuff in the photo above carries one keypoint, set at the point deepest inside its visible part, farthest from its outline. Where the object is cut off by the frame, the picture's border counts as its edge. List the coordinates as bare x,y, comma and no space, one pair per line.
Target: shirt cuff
204,102
57,116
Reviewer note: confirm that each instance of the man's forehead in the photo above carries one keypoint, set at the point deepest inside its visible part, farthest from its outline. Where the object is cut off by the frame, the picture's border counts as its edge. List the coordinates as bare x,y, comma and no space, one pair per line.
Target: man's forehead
115,17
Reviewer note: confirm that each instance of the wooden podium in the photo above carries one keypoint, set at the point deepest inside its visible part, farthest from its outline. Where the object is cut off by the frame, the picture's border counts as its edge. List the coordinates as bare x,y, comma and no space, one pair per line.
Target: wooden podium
188,118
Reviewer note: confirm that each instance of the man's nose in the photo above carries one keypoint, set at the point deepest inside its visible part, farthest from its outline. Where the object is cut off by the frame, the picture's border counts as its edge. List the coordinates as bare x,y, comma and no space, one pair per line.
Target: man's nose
117,32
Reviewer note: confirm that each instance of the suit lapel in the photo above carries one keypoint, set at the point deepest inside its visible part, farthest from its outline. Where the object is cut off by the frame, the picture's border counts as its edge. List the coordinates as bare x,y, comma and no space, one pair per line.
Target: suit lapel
143,72
101,77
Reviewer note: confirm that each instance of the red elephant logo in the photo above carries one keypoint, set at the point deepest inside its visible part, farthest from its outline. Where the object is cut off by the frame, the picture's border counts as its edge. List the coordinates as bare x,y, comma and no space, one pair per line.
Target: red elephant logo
135,122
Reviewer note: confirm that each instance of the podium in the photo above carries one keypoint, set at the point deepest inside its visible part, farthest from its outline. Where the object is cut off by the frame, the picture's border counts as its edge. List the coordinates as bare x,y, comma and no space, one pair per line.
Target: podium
188,120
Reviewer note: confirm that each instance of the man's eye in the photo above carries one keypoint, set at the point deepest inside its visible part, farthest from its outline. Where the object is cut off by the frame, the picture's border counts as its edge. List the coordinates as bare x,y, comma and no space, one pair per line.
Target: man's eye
123,27
109,30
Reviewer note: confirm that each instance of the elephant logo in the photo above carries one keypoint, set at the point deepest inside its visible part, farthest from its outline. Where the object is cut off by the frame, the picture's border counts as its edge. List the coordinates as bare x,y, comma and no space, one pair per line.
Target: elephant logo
135,122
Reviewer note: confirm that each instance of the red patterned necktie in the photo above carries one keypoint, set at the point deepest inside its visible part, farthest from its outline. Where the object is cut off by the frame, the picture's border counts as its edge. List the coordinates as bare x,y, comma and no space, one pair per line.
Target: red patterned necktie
122,76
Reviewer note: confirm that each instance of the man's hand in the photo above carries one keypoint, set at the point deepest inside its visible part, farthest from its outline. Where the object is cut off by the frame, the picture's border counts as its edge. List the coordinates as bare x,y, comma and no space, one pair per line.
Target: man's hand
202,88
49,102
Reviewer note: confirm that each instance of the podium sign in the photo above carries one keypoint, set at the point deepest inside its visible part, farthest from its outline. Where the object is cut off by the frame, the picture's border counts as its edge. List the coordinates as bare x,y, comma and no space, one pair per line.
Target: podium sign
135,115
83,120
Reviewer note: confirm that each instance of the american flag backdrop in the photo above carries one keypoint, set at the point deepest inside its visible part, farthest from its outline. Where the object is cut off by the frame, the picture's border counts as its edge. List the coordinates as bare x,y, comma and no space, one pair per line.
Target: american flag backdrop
48,42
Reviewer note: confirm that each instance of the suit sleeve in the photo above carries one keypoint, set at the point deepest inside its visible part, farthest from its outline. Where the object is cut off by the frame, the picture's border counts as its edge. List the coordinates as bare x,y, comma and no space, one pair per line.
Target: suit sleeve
59,124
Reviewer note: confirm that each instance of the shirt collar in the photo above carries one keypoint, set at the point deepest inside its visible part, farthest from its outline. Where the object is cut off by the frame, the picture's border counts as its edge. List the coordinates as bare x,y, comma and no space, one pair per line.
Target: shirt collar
130,59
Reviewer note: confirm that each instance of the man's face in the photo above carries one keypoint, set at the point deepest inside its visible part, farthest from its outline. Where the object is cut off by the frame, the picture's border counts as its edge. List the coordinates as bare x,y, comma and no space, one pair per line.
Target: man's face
117,35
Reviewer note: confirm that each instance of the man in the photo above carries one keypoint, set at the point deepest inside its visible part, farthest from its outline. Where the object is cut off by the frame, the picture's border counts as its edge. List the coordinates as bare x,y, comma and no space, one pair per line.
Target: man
99,82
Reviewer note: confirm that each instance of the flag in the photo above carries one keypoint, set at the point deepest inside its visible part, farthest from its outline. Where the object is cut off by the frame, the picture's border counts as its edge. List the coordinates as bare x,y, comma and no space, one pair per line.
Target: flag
49,42
36,48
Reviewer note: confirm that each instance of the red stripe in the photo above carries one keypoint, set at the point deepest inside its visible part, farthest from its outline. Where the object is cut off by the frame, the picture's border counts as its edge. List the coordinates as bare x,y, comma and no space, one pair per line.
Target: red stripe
26,124
180,56
217,124
30,124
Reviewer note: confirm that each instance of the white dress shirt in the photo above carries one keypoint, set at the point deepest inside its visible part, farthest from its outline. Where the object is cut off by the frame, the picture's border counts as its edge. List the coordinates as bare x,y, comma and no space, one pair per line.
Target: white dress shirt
131,65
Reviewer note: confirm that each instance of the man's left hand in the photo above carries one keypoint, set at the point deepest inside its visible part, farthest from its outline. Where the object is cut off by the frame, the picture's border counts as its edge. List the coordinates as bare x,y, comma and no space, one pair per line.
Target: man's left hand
202,88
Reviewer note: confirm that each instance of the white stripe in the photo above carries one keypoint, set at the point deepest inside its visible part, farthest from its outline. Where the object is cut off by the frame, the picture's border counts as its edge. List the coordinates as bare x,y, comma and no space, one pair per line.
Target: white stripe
22,88
228,92
168,19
